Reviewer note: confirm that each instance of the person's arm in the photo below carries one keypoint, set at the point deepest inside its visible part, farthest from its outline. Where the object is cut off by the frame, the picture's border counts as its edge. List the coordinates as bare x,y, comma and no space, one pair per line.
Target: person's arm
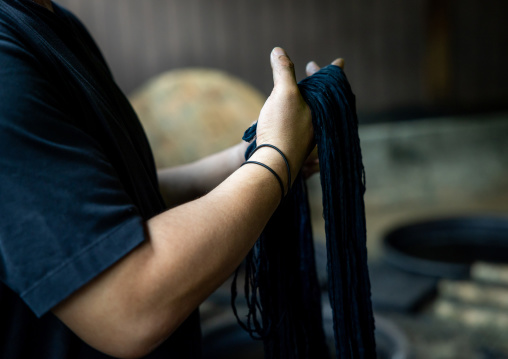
190,250
184,183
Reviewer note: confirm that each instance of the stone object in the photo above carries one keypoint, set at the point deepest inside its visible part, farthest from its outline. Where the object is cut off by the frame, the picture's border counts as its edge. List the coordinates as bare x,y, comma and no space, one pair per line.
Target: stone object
190,113
474,293
490,273
471,315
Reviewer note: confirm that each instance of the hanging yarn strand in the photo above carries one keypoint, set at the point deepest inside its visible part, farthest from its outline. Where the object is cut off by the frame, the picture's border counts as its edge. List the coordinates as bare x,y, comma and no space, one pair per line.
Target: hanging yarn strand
335,123
281,287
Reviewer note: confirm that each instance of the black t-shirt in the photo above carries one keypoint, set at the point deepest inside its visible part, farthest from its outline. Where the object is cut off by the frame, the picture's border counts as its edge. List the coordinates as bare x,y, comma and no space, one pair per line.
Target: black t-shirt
77,181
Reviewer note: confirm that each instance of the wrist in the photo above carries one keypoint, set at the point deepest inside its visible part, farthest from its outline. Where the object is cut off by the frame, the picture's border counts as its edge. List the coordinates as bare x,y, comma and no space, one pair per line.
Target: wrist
237,155
271,157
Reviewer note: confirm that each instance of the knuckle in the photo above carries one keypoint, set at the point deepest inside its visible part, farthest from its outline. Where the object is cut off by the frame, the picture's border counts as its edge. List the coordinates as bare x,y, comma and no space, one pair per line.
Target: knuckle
286,62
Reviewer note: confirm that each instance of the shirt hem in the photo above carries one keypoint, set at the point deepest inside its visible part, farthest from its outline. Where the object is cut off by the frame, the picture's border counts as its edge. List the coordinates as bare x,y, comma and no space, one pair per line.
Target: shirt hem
54,288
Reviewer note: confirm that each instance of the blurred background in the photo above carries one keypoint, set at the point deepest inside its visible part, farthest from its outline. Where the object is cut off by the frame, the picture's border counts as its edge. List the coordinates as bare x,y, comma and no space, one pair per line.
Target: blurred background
431,82
409,58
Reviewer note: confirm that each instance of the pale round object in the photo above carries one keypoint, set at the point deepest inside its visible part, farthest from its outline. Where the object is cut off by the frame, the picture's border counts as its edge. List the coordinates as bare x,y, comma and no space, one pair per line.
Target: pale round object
190,113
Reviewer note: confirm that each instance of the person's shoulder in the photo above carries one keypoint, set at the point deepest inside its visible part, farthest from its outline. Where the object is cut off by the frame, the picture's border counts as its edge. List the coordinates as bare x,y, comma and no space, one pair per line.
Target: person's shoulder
63,11
9,34
14,49
26,87
18,64
82,32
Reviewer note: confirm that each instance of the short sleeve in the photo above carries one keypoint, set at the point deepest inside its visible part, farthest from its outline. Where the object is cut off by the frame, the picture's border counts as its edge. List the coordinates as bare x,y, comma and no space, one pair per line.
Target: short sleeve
65,215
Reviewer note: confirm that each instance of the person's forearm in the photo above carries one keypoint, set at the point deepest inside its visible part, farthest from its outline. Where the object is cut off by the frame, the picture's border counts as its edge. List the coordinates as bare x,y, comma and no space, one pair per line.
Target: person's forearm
190,250
184,183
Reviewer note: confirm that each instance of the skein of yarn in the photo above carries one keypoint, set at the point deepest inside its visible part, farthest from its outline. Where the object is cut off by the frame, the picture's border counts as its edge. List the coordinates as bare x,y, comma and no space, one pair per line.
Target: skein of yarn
281,287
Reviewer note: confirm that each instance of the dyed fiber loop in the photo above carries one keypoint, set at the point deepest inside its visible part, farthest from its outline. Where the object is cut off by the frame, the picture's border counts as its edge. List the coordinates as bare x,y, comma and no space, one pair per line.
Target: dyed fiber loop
281,287
283,157
273,172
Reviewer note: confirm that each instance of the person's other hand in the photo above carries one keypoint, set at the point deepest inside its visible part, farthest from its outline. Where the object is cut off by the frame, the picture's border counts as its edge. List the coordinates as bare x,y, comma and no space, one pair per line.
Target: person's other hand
311,164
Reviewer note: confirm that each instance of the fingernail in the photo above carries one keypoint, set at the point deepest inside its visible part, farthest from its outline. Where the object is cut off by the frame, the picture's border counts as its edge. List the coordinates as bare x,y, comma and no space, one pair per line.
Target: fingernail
312,66
278,51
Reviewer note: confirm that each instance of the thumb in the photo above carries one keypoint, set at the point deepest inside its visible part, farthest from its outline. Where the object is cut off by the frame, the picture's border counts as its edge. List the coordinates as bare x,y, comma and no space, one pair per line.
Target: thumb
283,68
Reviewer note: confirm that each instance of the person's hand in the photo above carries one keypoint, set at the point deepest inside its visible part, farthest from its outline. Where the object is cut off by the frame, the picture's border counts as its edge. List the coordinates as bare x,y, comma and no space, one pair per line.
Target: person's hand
285,119
285,106
311,164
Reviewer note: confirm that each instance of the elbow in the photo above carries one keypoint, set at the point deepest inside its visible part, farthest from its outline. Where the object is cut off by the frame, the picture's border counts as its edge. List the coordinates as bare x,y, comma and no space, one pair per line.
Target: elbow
126,352
129,346
124,336
129,352
134,340
132,350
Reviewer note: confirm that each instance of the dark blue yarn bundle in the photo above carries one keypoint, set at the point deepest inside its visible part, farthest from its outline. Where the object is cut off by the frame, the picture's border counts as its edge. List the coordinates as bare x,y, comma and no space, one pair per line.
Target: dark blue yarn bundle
281,286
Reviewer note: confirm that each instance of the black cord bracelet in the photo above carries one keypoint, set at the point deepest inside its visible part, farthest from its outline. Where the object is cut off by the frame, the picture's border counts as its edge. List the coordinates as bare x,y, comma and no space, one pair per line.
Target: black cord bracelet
283,157
273,172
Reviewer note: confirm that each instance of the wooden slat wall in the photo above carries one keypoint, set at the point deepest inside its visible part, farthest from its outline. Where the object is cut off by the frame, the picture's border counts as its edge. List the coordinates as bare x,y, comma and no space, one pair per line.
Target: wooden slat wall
383,42
481,52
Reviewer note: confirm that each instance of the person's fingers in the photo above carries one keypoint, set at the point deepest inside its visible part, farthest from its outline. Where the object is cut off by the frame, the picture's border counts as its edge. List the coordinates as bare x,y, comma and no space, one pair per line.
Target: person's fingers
339,62
311,68
283,68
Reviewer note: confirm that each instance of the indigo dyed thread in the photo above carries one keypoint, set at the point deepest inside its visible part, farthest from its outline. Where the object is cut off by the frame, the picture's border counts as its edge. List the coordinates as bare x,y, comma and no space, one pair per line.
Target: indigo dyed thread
281,287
